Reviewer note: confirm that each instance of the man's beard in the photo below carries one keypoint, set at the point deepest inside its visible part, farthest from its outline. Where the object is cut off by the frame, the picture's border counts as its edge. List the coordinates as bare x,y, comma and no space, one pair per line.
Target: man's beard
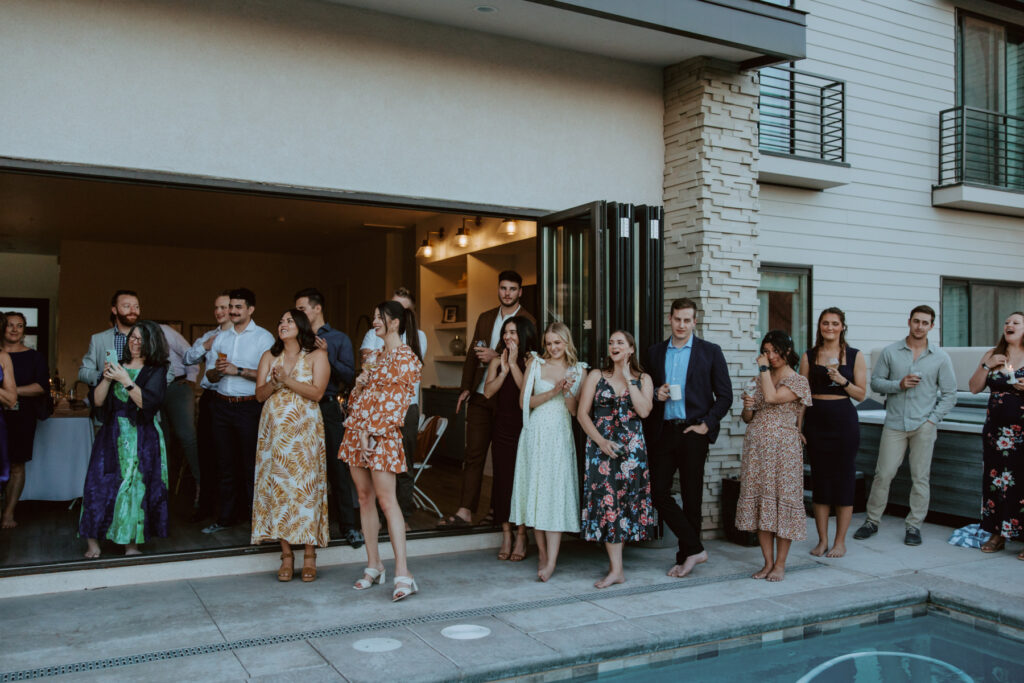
126,321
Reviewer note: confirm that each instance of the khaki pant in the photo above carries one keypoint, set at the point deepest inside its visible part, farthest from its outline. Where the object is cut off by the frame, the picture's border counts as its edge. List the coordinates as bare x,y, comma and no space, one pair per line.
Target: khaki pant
891,449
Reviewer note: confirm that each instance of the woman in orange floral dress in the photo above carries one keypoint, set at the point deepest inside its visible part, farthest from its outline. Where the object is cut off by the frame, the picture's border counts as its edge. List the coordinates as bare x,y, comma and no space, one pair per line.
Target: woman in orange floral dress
290,501
372,446
772,471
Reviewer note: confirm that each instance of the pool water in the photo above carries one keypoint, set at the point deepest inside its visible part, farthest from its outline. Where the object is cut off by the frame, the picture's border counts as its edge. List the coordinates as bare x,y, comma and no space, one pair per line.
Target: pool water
919,650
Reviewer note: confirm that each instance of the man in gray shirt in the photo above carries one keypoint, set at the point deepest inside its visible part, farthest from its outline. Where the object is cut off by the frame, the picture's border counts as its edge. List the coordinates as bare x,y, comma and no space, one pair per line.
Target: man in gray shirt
920,388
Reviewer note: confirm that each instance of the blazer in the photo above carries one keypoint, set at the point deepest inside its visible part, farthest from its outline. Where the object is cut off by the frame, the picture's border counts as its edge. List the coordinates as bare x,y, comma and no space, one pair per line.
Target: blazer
472,371
708,388
91,369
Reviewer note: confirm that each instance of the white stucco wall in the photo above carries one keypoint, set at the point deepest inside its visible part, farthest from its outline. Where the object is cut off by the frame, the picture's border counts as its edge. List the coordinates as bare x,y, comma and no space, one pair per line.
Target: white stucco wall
315,94
877,245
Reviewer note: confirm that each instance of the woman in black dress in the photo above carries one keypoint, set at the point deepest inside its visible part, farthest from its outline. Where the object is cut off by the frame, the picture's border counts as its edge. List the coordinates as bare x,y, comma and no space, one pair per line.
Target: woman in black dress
837,373
32,378
505,380
1002,507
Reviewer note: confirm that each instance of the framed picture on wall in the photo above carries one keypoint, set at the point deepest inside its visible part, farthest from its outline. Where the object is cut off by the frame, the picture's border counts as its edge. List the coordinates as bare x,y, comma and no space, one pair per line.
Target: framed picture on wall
451,314
176,325
197,330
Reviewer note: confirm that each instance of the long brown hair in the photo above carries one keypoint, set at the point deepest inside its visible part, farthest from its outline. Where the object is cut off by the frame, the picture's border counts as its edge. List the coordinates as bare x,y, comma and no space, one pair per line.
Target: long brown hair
819,342
634,362
1002,347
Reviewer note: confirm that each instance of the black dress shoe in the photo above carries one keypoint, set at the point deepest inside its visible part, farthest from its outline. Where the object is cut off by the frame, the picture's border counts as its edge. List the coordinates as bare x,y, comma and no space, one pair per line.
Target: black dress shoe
354,538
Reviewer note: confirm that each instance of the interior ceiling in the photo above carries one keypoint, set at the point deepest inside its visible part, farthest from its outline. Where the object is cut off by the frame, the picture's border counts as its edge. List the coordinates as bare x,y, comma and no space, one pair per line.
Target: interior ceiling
38,211
555,27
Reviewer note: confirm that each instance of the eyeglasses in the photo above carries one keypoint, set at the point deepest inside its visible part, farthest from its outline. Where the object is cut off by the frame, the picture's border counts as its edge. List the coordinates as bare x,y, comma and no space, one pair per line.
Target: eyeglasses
135,338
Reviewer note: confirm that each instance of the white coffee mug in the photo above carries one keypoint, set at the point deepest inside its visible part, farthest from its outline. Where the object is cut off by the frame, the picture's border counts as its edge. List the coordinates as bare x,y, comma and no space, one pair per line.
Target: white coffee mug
675,392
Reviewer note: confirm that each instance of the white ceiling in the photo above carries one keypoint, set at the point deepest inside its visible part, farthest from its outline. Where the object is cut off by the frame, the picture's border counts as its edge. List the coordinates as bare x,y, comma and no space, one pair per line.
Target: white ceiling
555,27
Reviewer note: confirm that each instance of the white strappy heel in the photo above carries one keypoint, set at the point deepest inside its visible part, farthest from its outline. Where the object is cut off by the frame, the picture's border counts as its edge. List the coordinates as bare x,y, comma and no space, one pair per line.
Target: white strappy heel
376,576
404,587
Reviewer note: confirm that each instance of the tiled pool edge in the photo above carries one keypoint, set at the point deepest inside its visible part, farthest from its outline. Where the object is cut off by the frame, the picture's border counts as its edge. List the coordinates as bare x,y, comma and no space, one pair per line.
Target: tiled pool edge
589,671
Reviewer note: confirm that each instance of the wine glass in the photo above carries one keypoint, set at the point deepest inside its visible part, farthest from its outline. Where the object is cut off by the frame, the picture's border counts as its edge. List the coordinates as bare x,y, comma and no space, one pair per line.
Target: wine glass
751,388
834,364
1012,379
371,361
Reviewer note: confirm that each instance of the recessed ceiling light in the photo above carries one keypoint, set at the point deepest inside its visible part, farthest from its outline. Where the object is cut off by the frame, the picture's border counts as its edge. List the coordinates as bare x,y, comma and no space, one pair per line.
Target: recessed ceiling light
485,9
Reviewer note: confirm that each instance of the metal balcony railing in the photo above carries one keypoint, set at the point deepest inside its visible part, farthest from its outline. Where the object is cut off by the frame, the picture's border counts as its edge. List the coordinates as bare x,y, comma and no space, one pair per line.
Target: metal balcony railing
981,147
802,114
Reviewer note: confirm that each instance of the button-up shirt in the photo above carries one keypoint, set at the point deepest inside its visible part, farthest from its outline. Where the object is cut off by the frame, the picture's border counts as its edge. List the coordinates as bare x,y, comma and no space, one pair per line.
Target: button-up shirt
120,340
677,362
244,350
930,400
177,347
372,342
198,353
339,354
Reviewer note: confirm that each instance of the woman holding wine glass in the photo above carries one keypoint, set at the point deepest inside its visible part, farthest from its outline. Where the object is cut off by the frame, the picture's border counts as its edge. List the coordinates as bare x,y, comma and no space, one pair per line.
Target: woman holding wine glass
1002,509
837,373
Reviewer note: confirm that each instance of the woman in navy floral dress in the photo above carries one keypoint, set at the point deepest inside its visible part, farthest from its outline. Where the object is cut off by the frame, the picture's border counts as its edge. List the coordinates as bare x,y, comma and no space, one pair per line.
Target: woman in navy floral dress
1002,506
617,482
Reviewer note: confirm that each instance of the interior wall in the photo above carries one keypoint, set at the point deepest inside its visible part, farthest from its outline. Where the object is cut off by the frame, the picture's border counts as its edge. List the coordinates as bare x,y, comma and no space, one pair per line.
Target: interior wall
32,276
317,94
173,284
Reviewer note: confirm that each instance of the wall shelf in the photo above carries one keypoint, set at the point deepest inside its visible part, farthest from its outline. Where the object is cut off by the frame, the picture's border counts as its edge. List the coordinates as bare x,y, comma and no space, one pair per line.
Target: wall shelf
450,359
458,292
450,326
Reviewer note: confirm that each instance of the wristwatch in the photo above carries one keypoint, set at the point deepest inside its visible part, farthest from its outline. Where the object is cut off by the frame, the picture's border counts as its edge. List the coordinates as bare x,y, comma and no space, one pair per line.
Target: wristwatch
764,368
847,384
985,365
636,383
129,387
239,373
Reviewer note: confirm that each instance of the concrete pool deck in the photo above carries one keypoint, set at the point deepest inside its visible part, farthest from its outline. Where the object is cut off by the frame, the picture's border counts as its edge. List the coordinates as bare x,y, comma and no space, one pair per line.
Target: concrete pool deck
251,626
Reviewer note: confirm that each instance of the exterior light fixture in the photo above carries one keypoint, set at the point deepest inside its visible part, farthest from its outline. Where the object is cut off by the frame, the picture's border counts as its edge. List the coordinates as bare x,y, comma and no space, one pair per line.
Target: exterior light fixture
509,227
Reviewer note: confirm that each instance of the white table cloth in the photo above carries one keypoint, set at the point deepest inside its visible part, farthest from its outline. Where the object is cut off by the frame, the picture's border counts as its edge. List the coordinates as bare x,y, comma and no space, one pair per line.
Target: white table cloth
60,458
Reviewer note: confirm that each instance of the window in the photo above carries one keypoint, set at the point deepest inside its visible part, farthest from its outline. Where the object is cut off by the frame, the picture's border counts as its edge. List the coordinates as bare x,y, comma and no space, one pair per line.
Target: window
990,91
784,303
973,310
37,320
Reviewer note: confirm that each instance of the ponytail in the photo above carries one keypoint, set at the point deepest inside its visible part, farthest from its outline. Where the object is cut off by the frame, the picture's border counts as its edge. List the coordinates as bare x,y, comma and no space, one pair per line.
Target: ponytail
412,333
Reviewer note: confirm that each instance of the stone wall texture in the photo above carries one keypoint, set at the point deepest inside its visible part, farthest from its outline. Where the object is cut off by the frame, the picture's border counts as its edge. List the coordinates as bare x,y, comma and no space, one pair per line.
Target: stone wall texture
711,212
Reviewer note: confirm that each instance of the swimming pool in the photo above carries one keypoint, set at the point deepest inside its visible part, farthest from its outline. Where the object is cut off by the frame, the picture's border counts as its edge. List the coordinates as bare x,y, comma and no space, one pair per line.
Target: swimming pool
928,648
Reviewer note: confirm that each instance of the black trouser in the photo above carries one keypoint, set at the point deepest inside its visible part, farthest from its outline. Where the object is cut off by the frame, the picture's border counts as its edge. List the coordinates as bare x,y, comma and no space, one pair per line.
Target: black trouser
685,453
343,490
403,481
235,434
208,471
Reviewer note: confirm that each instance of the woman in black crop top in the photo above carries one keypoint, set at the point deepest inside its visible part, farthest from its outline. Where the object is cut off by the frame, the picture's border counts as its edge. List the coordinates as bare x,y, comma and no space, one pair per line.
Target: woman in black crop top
837,373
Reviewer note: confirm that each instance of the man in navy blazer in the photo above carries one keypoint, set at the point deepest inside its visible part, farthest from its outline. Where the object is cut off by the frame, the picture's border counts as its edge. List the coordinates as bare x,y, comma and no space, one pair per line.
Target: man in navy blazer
693,395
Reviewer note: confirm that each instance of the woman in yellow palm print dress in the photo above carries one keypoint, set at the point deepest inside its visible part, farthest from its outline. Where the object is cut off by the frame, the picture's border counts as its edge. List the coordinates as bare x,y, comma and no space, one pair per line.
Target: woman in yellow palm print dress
290,502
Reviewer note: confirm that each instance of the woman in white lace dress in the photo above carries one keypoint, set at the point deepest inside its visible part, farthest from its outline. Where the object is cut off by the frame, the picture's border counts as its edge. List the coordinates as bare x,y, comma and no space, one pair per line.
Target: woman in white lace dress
545,492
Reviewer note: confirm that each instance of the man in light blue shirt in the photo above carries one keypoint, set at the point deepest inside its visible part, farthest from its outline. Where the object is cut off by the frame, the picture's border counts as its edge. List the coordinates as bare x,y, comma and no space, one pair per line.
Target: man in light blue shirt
919,385
677,362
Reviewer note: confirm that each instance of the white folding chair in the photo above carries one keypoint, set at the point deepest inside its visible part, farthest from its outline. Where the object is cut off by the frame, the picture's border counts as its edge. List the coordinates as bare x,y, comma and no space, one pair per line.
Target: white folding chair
420,499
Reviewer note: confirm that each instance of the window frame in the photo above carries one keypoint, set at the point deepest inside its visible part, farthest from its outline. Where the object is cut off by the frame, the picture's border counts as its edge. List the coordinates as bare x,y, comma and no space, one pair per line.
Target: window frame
970,282
794,269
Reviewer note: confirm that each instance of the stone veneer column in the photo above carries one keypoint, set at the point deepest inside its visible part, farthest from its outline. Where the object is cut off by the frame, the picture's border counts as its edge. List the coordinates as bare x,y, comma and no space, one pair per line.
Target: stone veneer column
711,207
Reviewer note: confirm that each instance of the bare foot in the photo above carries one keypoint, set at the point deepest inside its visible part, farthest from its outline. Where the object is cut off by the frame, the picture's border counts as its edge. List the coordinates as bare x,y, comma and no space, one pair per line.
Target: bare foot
8,523
820,549
93,550
778,573
132,549
681,570
761,573
544,574
838,550
610,580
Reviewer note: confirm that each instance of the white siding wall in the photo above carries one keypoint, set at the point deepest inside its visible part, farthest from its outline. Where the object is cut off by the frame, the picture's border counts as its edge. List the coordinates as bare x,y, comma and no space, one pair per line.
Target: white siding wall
877,245
315,94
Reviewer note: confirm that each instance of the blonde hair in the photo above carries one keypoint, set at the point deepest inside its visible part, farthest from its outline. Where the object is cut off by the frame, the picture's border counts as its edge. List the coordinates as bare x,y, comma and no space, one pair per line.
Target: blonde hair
562,330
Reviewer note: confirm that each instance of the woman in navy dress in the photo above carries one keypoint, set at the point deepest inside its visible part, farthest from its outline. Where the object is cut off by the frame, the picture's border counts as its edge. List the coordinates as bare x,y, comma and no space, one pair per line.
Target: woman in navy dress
125,497
617,482
505,380
837,373
1002,507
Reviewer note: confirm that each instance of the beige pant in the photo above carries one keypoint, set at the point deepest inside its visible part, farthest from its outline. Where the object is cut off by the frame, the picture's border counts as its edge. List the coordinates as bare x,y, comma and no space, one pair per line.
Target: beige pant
891,449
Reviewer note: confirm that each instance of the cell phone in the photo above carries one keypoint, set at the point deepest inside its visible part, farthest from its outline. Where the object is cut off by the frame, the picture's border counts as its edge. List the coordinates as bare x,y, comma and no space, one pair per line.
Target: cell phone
112,357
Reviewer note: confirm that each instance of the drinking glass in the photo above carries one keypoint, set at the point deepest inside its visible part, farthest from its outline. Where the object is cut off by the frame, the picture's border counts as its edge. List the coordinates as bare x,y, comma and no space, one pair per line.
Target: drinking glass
832,363
1012,379
371,362
750,389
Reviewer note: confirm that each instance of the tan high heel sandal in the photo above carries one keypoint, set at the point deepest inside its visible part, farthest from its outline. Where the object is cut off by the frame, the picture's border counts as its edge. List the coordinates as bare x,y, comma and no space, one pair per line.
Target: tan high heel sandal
287,567
309,567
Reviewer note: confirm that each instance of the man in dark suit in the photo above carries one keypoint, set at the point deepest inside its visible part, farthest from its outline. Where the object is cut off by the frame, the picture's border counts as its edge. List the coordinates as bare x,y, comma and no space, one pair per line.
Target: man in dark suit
693,396
480,410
